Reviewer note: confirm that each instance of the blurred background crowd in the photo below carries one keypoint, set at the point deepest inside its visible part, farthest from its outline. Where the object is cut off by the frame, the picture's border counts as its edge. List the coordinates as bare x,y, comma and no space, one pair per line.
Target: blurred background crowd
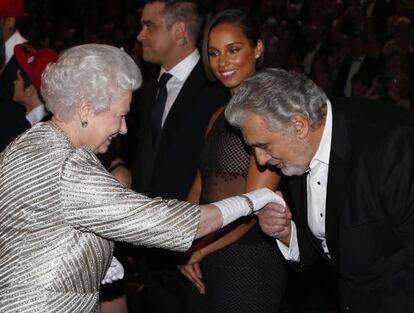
320,38
361,48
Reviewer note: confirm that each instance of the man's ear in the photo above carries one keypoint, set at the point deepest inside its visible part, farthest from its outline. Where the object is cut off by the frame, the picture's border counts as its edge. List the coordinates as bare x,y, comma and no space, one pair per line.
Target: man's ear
300,125
179,30
30,91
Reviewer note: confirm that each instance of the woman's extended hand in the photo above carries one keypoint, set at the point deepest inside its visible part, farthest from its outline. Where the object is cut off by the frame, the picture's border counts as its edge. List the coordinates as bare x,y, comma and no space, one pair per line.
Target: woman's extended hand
192,271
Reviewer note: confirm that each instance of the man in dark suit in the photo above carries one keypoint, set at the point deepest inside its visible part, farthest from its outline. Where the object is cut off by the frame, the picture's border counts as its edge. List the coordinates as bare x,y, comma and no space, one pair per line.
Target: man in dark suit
359,61
379,11
355,205
12,114
168,151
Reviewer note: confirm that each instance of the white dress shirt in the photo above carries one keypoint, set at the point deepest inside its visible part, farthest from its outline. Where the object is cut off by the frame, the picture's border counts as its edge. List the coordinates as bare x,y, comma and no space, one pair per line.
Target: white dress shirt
310,56
316,182
9,45
36,115
353,69
179,73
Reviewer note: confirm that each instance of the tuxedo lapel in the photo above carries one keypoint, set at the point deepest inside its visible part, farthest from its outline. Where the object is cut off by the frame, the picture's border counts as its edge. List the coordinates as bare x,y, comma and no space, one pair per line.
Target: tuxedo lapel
337,181
146,149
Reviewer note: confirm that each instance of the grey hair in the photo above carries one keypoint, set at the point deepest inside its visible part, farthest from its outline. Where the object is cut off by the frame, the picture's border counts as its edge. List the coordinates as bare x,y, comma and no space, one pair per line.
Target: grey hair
188,11
94,73
275,95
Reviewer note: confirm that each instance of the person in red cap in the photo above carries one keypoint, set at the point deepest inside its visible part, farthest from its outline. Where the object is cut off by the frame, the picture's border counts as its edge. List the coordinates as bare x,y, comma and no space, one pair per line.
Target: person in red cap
9,11
13,121
31,63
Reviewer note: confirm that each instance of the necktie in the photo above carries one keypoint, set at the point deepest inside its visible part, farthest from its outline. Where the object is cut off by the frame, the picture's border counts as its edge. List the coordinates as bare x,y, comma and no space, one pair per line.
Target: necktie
159,105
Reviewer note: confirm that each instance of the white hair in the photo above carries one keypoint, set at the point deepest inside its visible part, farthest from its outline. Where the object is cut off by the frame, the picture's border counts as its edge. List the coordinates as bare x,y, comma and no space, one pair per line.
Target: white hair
94,73
276,94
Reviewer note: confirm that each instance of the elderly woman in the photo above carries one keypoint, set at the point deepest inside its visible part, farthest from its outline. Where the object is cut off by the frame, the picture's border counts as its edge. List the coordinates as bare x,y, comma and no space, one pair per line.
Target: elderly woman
60,208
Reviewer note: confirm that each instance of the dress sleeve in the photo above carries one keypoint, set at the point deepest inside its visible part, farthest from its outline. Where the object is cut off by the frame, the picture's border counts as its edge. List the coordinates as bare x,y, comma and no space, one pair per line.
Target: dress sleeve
1,159
94,201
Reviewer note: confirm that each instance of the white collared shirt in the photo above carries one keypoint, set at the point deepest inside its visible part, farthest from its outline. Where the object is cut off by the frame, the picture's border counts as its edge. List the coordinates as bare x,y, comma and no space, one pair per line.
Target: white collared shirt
353,69
317,183
310,56
179,73
36,115
9,45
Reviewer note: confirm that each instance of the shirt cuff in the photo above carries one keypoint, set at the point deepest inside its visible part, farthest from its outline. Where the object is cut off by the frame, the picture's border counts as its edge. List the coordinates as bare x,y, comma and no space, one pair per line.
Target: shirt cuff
36,114
291,252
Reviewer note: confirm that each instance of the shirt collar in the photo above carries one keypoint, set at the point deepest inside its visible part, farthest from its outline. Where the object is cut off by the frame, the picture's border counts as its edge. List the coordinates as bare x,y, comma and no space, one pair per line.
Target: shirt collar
359,59
9,45
184,68
324,149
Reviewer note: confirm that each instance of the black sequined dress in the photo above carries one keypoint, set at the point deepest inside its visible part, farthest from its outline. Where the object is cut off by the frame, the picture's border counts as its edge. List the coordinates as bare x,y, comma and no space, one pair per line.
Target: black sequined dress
248,275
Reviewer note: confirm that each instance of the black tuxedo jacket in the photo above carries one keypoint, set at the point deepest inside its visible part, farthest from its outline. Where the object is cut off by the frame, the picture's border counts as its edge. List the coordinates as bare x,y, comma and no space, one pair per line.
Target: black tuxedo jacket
383,9
12,115
167,169
372,65
369,207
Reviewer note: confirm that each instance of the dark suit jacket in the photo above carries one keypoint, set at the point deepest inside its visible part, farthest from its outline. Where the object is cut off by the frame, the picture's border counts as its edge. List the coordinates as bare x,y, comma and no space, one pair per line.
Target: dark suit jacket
168,168
371,65
369,207
382,11
12,115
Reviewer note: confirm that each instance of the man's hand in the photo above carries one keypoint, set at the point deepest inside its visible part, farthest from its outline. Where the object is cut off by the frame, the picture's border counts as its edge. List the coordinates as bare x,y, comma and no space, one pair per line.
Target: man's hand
275,221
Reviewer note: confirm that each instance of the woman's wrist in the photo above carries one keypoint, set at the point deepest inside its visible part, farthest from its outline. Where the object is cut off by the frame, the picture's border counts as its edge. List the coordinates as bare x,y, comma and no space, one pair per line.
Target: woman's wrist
202,253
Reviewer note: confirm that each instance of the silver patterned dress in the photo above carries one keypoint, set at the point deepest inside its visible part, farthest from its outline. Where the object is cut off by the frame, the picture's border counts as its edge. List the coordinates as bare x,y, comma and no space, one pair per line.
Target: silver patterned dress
59,212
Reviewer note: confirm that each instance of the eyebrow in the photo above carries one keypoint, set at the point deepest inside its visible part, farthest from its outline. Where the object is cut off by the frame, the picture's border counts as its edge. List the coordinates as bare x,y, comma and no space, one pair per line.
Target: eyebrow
234,42
147,22
259,145
228,44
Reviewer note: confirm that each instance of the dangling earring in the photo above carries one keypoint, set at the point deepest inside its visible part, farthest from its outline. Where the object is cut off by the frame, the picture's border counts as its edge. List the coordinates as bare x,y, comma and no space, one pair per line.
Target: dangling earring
84,124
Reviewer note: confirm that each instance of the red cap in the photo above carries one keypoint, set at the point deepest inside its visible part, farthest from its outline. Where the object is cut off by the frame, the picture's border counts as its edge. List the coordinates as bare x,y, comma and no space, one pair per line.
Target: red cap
12,8
33,61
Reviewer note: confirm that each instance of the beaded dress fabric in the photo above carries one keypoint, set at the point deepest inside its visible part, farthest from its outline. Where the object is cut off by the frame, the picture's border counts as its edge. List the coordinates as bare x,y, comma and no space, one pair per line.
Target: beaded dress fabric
248,275
224,162
60,211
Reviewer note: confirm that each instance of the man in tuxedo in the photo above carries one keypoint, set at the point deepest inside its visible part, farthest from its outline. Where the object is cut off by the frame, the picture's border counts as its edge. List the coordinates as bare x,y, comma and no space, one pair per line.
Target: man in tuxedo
12,114
171,132
359,61
379,11
315,45
355,205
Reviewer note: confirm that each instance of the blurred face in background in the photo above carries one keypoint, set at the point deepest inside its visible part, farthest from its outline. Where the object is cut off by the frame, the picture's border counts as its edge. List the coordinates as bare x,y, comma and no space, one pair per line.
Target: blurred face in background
20,86
232,58
156,38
